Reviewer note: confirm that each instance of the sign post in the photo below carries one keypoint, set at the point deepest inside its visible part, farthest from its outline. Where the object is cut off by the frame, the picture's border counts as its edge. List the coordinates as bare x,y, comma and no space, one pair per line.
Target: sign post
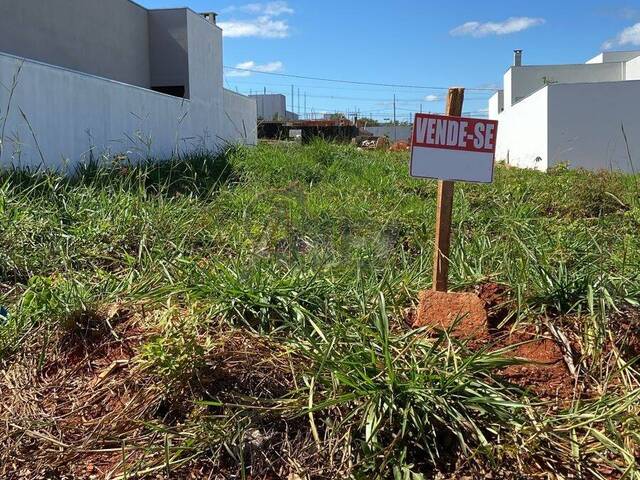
448,148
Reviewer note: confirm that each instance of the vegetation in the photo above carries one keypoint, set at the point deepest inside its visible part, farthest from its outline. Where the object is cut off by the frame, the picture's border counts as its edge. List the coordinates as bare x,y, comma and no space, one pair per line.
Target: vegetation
243,316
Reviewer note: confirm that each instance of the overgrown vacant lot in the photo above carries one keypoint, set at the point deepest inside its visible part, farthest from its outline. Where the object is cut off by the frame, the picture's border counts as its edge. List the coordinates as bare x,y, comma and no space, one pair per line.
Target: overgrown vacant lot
246,316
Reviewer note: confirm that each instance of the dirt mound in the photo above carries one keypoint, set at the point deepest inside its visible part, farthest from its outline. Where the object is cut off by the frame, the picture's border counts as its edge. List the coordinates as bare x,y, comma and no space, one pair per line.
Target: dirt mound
462,314
478,320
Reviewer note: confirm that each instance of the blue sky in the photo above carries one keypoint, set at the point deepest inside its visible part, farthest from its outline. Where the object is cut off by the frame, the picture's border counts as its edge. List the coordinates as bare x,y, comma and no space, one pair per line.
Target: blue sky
423,43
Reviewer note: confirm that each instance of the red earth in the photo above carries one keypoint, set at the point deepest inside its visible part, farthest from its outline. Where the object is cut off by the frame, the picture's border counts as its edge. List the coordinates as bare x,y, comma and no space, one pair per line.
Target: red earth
477,320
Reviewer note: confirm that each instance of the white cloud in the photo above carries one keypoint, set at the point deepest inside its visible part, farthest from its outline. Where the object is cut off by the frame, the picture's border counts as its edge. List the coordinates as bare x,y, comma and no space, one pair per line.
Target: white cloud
431,98
271,67
264,25
510,25
630,36
273,9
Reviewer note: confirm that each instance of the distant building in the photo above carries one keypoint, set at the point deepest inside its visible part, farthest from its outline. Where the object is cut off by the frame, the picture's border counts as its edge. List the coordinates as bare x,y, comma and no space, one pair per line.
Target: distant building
273,106
395,133
94,78
575,114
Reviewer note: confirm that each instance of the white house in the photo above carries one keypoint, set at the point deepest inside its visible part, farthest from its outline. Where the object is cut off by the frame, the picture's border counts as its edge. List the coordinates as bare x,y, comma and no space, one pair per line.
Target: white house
88,79
584,115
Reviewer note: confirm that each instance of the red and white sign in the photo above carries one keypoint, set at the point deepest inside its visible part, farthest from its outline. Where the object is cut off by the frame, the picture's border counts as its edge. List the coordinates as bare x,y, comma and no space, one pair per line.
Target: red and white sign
453,148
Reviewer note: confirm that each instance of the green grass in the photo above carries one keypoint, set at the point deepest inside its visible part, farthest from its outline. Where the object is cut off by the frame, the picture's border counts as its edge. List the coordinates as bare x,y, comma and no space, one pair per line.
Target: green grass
309,255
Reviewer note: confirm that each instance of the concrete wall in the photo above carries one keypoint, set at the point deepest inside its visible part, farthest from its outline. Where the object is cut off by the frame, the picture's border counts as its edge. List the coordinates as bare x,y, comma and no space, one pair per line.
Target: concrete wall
168,42
632,69
523,81
597,59
240,118
94,118
608,57
291,115
271,106
205,60
496,104
395,133
105,38
585,125
523,133
58,116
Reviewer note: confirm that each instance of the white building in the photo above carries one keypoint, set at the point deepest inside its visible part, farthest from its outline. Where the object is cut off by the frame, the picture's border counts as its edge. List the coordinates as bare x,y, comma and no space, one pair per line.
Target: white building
273,106
396,133
575,114
88,79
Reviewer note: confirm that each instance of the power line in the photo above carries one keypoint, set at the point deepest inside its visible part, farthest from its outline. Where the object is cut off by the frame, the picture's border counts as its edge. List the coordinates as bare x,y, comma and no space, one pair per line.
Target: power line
381,90
377,99
352,82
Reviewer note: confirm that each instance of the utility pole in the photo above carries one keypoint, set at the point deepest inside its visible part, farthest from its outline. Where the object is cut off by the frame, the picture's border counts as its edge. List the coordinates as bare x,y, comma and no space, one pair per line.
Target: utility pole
292,100
305,105
395,127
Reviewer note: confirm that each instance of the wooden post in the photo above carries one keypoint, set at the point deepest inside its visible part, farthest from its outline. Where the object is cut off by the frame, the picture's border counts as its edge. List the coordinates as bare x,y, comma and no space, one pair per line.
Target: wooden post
455,100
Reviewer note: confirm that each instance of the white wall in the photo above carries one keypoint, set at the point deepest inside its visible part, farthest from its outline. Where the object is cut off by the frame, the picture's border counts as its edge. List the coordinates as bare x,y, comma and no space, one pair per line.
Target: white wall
240,118
205,74
585,125
507,89
71,117
522,133
271,106
523,81
395,133
55,116
496,104
597,59
632,69
608,57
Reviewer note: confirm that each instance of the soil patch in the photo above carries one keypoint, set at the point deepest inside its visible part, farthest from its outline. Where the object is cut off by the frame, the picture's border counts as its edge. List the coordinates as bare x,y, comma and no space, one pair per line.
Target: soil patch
496,300
68,400
464,315
544,373
478,319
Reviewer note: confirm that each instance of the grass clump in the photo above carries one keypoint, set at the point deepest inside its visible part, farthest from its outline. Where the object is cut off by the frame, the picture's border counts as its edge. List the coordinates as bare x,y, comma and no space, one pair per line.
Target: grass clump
259,330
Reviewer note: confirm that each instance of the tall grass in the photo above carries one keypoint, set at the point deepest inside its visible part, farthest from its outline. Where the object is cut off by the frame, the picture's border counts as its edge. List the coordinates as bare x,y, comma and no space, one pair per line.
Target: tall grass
312,253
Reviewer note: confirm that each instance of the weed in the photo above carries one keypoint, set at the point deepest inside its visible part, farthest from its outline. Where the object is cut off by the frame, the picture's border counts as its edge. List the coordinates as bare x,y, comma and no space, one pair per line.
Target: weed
273,282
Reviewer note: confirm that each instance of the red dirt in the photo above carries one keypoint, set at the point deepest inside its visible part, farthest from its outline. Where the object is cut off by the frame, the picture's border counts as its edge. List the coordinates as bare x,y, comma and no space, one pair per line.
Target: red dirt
547,375
400,146
476,318
496,299
464,314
